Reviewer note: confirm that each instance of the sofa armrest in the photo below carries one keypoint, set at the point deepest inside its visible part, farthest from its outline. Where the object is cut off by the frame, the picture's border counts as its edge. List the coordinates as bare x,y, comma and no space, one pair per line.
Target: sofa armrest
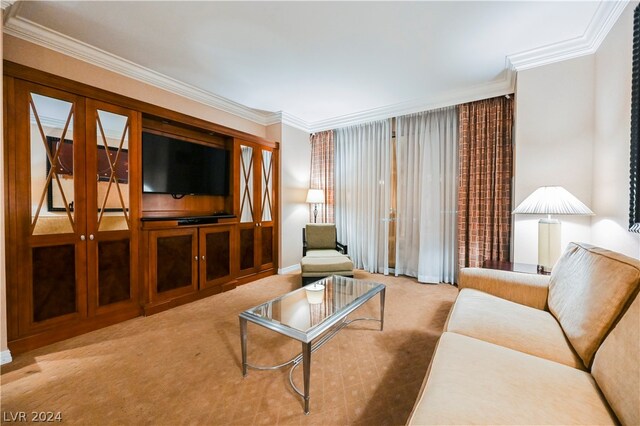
526,289
342,248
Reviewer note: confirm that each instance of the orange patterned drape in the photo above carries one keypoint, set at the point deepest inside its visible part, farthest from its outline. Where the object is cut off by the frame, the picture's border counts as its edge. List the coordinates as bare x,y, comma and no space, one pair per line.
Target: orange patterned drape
484,189
322,170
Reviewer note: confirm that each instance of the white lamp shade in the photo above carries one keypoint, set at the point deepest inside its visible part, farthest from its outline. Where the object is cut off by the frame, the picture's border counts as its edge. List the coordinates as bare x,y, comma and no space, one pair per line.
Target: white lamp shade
552,200
315,196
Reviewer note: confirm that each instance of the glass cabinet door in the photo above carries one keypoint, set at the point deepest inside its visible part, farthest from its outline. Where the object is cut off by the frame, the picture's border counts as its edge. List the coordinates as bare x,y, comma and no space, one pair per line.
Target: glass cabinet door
267,209
51,230
247,231
257,168
110,249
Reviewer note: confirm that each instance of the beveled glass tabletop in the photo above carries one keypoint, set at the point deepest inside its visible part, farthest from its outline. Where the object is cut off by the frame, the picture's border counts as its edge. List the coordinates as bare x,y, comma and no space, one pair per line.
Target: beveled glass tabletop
296,315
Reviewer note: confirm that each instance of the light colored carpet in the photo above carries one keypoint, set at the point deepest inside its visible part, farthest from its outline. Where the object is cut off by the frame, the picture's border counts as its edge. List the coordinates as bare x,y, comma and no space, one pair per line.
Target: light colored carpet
183,366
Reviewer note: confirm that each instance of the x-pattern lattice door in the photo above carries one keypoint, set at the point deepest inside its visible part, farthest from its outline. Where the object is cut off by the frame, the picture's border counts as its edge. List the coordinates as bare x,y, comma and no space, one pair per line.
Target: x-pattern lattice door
113,149
267,194
246,184
63,115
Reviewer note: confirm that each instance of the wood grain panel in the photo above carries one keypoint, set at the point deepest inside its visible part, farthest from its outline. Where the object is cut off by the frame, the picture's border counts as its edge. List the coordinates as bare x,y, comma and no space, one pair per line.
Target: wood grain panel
54,282
114,272
163,205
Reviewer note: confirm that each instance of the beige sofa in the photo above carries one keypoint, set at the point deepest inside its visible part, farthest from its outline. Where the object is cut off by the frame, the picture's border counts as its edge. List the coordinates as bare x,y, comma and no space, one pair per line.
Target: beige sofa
530,349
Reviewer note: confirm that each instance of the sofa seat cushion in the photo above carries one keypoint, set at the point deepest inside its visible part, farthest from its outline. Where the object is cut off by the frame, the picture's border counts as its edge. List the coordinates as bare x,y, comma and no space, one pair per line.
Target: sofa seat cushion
588,290
475,382
326,264
525,329
323,253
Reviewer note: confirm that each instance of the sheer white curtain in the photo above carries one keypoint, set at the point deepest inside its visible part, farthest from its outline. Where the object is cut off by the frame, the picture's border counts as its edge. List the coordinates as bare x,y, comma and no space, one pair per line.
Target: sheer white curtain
362,180
427,170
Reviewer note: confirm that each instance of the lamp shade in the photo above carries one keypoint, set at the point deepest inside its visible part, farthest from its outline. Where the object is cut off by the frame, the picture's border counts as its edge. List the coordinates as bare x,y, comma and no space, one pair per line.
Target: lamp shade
315,196
552,200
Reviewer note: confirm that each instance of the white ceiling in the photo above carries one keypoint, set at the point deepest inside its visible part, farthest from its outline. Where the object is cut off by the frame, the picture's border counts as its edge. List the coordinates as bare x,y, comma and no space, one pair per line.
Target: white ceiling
326,63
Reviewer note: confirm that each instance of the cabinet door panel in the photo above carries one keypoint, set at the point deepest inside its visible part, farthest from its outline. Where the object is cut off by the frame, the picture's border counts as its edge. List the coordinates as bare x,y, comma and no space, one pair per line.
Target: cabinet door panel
266,249
114,272
216,255
112,249
257,182
54,282
247,248
173,263
50,208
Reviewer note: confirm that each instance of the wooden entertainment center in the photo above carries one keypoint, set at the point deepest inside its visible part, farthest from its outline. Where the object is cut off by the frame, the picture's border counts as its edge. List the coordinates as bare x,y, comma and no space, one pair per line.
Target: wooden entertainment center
86,246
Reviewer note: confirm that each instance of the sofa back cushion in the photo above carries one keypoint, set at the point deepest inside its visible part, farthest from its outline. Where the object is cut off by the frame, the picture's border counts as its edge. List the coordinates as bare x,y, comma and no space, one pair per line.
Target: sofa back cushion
616,366
588,289
320,236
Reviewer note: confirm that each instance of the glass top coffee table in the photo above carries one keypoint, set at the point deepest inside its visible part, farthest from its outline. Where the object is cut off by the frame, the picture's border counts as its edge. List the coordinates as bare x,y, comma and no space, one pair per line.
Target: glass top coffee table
312,315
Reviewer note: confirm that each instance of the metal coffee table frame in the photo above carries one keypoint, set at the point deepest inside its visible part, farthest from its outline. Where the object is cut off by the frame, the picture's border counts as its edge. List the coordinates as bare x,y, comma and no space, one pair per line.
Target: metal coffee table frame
311,340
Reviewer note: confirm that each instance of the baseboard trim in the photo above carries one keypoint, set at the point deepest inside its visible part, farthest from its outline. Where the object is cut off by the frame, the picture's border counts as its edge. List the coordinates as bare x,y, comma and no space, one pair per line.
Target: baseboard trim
289,269
5,357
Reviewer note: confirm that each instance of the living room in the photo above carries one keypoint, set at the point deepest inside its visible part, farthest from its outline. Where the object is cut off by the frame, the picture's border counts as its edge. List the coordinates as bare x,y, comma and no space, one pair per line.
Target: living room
571,125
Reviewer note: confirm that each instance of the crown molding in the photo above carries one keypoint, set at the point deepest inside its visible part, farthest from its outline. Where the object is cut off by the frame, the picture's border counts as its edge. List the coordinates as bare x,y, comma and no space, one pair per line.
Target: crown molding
483,91
284,117
601,23
35,33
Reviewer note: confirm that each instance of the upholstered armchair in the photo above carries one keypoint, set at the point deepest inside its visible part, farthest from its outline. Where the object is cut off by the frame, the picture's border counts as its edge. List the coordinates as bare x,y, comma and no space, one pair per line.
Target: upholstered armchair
322,254
321,236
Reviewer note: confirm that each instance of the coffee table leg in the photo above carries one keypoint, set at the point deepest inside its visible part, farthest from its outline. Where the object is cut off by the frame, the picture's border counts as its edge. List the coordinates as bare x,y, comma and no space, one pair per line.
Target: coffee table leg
243,345
306,367
382,309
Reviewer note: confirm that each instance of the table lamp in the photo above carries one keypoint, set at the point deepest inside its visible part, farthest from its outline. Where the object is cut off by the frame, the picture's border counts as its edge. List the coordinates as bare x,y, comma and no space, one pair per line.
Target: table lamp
551,200
315,196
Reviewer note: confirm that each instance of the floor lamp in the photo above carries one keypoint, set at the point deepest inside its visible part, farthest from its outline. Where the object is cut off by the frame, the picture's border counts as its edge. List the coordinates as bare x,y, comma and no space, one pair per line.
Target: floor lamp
551,200
315,197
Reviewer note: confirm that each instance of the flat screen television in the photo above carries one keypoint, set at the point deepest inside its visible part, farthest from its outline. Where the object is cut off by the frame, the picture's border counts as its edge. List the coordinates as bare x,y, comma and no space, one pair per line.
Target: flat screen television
177,167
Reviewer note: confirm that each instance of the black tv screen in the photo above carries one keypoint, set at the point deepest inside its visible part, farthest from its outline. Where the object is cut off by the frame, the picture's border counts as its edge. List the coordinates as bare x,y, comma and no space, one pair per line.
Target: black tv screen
173,166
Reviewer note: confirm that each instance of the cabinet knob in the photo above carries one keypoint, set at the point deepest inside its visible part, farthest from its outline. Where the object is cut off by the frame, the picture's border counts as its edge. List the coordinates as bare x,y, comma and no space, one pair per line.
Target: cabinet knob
196,257
82,237
202,257
91,237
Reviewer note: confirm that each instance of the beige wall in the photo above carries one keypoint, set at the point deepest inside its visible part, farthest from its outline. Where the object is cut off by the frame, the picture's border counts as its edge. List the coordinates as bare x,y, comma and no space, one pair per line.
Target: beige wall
32,55
572,129
3,280
295,162
611,143
553,145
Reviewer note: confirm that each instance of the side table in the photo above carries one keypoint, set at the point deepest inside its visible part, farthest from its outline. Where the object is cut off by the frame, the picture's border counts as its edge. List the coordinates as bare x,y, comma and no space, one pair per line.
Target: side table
526,268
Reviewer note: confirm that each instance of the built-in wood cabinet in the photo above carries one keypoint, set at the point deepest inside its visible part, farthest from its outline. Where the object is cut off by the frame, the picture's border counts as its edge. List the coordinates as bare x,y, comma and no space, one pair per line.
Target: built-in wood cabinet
74,244
186,260
81,252
256,207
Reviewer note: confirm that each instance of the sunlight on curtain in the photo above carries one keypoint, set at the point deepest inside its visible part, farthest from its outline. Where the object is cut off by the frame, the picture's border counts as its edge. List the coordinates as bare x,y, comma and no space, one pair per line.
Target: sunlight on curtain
362,180
427,174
